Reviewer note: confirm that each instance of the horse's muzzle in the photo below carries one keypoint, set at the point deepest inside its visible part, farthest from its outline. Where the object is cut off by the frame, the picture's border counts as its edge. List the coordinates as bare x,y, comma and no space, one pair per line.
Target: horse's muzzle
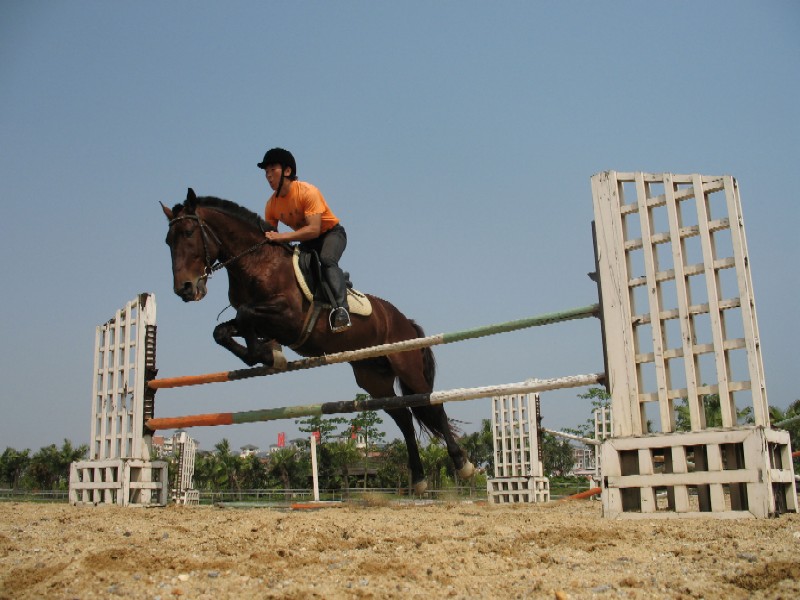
192,292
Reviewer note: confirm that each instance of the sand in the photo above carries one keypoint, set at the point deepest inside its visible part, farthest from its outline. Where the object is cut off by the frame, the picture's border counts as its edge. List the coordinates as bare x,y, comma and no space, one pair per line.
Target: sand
444,550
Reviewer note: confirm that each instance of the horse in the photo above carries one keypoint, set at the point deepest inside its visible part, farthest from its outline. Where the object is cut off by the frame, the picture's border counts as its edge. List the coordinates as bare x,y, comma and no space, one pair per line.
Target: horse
208,233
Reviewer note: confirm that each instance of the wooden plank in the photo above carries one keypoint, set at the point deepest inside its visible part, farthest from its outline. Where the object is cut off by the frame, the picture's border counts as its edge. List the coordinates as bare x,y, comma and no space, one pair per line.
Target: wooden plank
680,466
696,417
654,297
716,492
728,410
712,436
612,267
744,280
691,479
612,467
647,494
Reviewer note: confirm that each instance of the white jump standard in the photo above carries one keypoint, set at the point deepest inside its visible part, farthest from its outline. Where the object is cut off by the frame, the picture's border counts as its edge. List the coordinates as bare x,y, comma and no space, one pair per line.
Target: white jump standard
676,289
120,469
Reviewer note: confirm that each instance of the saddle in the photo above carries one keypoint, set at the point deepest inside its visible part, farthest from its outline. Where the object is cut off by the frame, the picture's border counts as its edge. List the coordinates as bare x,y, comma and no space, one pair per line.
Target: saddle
308,272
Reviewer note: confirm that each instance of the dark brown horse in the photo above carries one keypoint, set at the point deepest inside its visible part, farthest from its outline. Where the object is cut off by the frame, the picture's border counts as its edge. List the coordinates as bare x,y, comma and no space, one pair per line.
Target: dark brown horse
207,233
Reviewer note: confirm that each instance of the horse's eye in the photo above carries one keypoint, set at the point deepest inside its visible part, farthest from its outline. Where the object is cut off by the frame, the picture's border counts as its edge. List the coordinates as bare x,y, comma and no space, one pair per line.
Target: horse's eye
188,233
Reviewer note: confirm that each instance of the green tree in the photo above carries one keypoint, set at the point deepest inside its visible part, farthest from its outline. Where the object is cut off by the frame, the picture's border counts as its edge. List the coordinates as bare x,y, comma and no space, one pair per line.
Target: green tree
343,454
13,465
328,430
480,446
328,427
713,413
205,471
436,463
283,464
366,424
49,467
776,415
253,473
600,399
226,472
393,471
557,456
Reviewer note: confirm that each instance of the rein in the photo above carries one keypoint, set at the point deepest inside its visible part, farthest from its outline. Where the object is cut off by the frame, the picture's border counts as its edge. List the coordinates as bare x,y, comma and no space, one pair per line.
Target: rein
212,267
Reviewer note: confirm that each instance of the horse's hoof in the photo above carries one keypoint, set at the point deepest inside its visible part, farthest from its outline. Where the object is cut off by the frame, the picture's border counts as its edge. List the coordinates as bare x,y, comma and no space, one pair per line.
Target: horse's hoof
279,362
420,487
467,471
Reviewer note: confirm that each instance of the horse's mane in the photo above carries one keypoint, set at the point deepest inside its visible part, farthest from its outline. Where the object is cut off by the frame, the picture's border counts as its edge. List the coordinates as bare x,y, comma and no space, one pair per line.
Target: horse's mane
229,208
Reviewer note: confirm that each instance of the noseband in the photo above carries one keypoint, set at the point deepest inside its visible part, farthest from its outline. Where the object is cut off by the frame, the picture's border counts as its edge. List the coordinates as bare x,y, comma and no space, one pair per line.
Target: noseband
212,267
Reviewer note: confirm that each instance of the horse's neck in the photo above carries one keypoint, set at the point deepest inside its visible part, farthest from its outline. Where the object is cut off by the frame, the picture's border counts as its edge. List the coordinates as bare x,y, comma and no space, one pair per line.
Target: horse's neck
235,236
256,271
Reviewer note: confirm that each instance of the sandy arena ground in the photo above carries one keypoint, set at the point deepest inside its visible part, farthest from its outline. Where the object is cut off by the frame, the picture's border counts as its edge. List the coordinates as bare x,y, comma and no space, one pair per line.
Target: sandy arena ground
457,550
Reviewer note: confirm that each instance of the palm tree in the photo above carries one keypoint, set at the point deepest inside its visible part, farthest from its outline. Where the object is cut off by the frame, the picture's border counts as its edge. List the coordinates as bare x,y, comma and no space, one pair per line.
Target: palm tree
13,465
713,413
776,416
480,446
393,471
436,463
205,471
253,473
281,464
226,467
557,456
342,455
49,467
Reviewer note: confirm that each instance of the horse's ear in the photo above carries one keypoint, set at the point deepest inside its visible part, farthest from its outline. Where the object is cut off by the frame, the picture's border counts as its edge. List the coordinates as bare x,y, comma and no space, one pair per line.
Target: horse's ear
191,197
167,211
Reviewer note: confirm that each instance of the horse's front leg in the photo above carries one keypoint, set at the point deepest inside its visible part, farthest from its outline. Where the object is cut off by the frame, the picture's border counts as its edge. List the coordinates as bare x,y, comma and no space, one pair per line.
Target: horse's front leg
255,350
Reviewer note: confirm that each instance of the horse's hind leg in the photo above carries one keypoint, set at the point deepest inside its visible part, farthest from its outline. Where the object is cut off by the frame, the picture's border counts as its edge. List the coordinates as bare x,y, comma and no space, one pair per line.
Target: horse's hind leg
435,419
376,377
405,421
411,371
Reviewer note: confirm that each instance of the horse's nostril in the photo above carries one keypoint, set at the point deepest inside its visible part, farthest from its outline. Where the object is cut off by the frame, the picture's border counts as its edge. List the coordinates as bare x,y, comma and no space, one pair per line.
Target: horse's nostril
184,290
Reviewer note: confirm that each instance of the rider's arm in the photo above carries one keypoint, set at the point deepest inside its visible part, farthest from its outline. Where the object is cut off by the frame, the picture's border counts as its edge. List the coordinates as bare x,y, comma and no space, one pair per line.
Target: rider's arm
309,231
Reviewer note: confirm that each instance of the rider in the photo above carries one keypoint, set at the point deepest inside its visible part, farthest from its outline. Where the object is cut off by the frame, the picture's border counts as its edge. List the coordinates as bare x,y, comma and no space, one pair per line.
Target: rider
301,206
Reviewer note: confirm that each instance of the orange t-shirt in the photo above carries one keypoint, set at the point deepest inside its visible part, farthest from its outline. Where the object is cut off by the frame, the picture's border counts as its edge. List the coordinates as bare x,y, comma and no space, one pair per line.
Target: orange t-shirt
302,200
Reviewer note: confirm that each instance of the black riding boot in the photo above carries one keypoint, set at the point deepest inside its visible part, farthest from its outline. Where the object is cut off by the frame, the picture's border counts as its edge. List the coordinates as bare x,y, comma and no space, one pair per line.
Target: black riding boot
339,318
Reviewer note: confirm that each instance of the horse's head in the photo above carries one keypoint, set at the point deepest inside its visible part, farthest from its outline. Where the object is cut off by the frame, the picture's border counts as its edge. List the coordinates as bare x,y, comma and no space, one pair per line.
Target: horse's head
193,247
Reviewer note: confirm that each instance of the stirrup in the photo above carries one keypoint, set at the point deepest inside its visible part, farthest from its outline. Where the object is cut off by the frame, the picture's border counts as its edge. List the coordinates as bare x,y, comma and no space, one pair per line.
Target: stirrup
339,319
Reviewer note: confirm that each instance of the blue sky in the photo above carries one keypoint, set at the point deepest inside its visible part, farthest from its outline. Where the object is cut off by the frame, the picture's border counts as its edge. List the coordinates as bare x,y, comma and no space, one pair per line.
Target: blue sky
455,140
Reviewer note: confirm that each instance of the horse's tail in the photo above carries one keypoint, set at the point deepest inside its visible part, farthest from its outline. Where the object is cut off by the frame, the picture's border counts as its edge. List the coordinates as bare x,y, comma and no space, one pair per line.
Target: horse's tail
428,360
428,364
428,418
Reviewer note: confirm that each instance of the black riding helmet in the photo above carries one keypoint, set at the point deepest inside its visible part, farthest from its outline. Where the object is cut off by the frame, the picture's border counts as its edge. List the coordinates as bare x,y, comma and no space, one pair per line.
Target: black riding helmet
279,156
284,158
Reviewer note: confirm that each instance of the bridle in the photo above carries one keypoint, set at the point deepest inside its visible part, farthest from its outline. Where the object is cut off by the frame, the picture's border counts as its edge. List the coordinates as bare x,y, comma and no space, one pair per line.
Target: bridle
212,266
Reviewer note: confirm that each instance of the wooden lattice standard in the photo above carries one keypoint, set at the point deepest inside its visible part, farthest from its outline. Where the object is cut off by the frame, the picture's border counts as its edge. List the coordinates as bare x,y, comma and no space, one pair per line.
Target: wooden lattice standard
516,433
682,342
120,469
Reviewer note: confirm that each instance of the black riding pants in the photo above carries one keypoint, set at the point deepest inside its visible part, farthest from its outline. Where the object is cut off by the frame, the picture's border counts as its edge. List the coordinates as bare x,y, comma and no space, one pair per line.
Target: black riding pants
330,247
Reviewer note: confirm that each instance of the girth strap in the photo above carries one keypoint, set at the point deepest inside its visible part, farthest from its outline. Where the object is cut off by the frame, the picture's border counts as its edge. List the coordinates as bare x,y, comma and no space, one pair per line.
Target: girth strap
312,315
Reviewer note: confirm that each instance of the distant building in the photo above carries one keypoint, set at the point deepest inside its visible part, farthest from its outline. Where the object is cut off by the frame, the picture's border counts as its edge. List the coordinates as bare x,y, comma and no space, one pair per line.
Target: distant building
583,460
248,450
166,446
